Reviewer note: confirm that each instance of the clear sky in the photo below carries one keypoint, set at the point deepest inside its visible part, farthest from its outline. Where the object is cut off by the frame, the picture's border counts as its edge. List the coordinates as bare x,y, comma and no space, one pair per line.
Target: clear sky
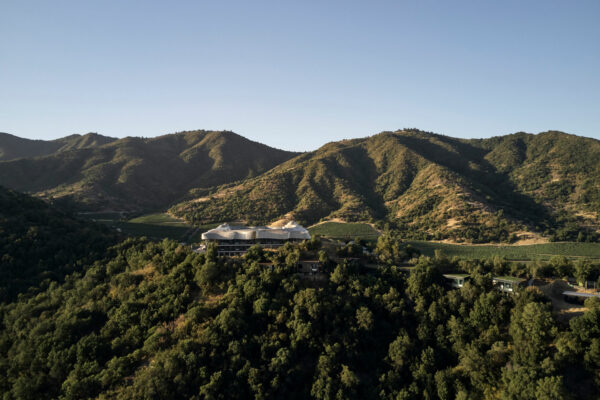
296,75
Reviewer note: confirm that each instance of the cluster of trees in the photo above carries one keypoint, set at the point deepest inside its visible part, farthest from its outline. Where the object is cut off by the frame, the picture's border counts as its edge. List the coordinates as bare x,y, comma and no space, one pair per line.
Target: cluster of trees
353,248
258,205
40,244
83,317
569,229
390,250
497,228
155,320
582,270
473,226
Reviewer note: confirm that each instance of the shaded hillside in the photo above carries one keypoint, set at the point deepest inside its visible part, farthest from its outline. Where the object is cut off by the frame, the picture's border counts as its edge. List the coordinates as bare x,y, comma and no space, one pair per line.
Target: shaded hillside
137,173
559,170
39,243
428,186
13,147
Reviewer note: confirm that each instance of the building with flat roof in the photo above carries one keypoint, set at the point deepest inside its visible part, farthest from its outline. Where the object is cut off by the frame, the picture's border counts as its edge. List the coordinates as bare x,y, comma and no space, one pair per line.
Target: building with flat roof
507,284
578,297
236,240
456,280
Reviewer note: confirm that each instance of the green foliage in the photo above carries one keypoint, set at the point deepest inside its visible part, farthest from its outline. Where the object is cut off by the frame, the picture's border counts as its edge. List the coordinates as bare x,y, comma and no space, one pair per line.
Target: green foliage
514,253
39,245
391,251
175,232
137,174
157,219
428,186
155,226
155,320
84,317
350,249
424,185
339,230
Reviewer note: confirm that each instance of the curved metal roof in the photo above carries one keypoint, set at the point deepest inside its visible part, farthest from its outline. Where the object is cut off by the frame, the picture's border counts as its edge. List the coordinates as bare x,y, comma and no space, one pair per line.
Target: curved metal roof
226,232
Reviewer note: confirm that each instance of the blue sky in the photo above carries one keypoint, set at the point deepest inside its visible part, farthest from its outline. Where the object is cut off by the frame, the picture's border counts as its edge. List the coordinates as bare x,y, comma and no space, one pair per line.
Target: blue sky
296,75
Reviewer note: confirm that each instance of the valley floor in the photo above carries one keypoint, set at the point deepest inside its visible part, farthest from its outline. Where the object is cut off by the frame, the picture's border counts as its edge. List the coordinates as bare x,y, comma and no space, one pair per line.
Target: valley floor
163,225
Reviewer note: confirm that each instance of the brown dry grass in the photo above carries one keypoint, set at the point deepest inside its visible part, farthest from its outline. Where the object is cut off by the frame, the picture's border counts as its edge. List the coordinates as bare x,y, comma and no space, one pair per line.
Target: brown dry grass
564,310
148,270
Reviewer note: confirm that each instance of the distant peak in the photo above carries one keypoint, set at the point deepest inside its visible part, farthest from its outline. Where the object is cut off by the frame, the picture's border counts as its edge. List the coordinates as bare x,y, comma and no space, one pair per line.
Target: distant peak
10,135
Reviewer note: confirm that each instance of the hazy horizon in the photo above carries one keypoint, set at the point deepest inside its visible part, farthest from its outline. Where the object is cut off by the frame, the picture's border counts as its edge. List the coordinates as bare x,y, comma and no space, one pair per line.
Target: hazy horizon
296,76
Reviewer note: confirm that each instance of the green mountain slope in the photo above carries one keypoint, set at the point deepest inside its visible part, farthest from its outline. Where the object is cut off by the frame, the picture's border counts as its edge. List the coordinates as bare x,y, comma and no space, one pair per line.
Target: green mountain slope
428,186
13,147
136,173
39,243
555,168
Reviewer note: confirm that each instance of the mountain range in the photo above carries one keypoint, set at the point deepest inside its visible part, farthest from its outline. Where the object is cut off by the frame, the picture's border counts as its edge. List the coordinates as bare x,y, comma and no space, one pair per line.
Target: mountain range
13,147
428,186
136,174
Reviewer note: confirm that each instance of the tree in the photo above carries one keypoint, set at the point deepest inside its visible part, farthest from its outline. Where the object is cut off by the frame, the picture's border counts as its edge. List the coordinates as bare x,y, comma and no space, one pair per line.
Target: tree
207,274
400,350
389,249
255,253
532,329
364,318
562,266
582,271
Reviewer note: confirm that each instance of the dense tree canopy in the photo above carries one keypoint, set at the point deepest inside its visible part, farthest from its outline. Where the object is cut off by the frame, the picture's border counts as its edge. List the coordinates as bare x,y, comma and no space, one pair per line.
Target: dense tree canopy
156,320
83,315
39,244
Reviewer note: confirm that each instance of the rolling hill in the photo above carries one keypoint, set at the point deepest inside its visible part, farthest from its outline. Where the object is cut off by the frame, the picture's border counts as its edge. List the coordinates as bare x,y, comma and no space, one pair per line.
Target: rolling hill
13,147
40,244
141,174
428,186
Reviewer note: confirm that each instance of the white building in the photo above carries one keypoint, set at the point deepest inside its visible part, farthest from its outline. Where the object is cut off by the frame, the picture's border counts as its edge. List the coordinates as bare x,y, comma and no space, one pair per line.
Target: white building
236,240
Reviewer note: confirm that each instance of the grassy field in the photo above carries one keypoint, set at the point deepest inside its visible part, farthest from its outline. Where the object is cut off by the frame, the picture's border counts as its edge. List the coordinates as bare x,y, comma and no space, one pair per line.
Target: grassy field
103,216
340,230
175,232
516,253
155,226
162,225
157,219
182,232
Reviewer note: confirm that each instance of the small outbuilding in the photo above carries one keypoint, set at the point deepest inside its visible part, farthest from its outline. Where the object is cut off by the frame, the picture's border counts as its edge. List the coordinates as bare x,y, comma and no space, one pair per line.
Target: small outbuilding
309,266
456,280
508,284
578,297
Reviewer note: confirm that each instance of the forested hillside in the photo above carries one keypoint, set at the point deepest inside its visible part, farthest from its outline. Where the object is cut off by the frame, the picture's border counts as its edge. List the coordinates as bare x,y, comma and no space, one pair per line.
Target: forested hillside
136,173
13,147
159,321
40,245
83,315
429,186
